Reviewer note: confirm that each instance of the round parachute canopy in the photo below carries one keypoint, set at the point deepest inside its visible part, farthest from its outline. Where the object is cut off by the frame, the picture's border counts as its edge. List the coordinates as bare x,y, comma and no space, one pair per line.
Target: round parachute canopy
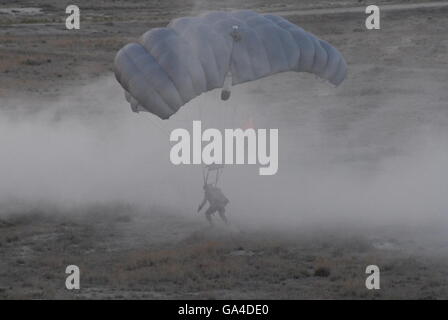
170,66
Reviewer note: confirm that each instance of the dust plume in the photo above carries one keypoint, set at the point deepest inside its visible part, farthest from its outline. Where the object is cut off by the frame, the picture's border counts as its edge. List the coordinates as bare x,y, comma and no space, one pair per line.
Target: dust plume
339,162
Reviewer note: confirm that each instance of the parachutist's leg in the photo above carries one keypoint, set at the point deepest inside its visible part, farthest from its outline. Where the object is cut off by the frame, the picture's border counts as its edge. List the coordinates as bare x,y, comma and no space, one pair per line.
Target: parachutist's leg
222,212
208,215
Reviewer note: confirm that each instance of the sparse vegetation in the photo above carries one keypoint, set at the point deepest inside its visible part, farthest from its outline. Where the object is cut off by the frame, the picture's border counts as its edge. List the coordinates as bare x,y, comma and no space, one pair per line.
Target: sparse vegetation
199,265
322,272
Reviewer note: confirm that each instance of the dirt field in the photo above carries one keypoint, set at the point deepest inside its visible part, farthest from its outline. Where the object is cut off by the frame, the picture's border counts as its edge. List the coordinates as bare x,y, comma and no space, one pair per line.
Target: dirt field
396,74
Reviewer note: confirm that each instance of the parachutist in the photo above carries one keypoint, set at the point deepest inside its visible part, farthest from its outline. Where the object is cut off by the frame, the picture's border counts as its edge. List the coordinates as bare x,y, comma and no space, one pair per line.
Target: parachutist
217,203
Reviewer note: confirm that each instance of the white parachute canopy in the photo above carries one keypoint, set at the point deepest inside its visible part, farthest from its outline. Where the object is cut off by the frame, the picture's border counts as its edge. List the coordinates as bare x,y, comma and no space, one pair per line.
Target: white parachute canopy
170,66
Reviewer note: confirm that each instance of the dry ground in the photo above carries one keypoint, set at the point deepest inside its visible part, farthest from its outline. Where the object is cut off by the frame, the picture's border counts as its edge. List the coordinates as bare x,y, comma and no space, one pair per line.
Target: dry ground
124,254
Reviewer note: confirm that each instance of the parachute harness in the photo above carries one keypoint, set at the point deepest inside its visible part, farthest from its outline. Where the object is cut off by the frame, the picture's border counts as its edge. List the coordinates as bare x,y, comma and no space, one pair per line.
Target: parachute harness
210,168
236,37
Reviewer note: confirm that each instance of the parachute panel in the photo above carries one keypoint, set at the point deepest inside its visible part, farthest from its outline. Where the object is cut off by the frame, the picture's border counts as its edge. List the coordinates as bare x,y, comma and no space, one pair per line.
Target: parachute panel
171,66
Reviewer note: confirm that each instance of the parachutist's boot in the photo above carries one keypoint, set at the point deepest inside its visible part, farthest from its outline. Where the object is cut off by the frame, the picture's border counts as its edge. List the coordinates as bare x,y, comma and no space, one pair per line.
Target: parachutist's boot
224,218
209,218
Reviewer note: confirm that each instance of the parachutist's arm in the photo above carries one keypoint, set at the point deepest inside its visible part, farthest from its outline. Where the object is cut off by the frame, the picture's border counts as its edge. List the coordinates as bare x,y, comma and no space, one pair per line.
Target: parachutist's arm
202,203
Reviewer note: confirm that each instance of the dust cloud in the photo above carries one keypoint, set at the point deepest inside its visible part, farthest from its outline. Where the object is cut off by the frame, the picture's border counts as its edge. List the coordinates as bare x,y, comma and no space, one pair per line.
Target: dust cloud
384,164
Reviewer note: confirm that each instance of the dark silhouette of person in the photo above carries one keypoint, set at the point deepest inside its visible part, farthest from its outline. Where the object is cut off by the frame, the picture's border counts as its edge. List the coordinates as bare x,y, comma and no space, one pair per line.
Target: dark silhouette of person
217,201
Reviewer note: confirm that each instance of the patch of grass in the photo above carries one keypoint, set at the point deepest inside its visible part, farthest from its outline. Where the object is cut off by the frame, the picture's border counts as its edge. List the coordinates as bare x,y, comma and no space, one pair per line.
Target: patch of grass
322,272
12,239
33,62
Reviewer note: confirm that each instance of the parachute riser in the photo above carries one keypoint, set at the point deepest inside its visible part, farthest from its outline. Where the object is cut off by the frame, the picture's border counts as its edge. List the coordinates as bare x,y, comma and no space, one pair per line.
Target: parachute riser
236,37
206,173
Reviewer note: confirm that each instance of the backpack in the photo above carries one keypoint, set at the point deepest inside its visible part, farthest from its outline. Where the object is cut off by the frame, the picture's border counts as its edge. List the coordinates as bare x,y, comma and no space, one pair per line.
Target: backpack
216,197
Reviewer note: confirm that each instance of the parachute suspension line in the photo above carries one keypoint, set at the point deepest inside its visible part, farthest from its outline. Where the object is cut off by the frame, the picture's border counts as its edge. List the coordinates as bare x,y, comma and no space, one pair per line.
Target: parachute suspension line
234,115
225,95
199,111
216,169
236,37
204,177
218,175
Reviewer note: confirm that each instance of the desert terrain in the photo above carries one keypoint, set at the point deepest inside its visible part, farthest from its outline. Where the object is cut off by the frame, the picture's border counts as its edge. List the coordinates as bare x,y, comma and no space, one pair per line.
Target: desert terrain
362,176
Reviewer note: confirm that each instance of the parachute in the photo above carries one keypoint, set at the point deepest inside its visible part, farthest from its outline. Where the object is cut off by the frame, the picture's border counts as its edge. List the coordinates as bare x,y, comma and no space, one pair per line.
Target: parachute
170,66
